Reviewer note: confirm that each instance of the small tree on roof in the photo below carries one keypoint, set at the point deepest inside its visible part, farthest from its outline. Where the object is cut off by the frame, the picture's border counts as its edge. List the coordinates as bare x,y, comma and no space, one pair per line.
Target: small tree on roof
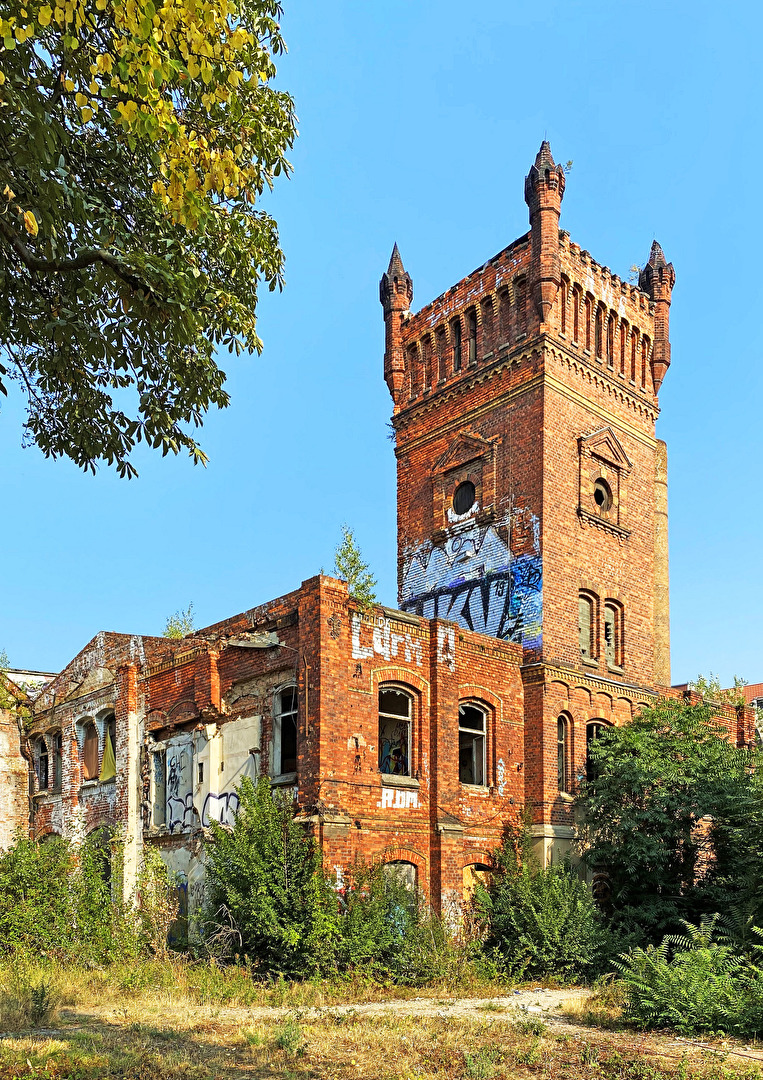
181,624
352,568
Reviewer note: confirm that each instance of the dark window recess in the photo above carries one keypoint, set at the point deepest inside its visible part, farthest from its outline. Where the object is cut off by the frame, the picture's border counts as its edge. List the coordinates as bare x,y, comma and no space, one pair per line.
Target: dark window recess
612,636
593,732
394,732
286,732
471,326
90,762
471,745
201,772
463,497
42,765
602,495
57,742
456,331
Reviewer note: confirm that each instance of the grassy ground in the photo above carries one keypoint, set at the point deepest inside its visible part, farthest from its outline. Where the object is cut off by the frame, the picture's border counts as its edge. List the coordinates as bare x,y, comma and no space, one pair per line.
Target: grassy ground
162,1032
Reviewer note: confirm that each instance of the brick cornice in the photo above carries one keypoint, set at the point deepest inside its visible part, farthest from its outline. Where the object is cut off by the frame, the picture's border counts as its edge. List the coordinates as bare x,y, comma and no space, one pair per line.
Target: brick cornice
540,674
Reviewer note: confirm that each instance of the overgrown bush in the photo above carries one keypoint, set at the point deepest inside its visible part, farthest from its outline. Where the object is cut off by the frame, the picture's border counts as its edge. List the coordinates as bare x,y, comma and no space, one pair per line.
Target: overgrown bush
541,921
693,982
29,996
266,880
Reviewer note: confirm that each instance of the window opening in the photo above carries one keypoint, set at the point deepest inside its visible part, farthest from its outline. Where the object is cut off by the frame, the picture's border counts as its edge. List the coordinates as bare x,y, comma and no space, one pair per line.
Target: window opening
644,358
598,330
473,875
588,323
426,362
159,815
109,763
613,635
611,338
394,732
285,732
471,327
464,496
585,625
563,300
400,873
57,745
442,367
42,765
90,761
471,745
503,317
456,331
487,325
634,347
593,732
562,752
521,306
602,495
576,315
623,335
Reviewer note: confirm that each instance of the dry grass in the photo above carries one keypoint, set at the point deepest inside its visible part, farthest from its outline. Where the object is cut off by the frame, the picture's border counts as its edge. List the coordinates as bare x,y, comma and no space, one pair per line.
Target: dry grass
603,1008
145,1042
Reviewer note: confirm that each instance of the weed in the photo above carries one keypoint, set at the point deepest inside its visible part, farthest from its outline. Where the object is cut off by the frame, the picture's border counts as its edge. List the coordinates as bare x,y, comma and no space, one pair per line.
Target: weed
289,1038
483,1063
531,1027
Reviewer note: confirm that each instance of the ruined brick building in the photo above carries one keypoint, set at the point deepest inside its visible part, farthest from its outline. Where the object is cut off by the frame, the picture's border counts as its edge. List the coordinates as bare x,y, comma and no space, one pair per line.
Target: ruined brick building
533,600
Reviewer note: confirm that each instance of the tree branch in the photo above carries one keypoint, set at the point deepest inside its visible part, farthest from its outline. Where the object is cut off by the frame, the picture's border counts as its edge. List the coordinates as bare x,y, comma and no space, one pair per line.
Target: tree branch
84,258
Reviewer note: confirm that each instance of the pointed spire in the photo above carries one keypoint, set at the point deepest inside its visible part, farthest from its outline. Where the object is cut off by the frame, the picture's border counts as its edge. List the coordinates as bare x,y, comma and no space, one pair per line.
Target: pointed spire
395,263
543,159
656,256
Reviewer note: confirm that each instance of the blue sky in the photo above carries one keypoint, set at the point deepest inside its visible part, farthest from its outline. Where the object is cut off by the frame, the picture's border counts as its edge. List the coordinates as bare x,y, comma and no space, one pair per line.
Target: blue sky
418,122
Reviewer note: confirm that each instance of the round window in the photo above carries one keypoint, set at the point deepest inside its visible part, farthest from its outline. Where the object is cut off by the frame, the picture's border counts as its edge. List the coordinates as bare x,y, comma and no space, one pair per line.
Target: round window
602,495
464,496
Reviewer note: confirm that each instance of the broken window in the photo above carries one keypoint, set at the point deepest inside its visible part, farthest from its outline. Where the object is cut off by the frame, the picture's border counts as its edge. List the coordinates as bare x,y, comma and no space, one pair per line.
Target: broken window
172,783
613,635
400,873
586,626
394,731
474,875
159,813
592,733
471,744
42,764
56,743
285,732
562,752
109,764
90,762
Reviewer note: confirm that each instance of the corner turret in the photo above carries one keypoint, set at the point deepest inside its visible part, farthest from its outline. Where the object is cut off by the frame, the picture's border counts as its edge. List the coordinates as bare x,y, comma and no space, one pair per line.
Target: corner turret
396,296
544,191
657,280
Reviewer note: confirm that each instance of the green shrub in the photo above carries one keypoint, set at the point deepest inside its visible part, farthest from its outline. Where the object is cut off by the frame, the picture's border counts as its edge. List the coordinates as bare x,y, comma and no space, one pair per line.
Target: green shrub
267,888
29,996
542,921
693,983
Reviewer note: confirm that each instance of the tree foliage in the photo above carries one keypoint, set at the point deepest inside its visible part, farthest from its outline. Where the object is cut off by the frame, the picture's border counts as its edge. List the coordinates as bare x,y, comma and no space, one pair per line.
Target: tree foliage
135,139
673,814
352,568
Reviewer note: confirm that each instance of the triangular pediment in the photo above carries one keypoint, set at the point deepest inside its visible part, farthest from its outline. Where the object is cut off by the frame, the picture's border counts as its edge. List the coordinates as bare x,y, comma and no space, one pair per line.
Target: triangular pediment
606,446
467,446
95,679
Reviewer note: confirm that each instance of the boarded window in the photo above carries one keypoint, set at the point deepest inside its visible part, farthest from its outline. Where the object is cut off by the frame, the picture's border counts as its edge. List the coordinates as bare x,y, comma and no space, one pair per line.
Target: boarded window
57,749
562,755
159,810
473,875
585,625
285,732
90,762
471,744
394,732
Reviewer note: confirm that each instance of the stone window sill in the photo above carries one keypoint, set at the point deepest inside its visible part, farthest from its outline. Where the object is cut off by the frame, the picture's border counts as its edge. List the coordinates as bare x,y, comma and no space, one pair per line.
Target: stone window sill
614,669
475,789
566,797
589,661
391,780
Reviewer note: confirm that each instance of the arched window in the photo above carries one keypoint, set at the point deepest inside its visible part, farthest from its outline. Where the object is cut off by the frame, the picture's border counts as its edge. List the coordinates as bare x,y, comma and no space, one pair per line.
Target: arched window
285,731
426,362
472,731
563,298
442,367
613,634
588,304
521,289
503,317
395,718
455,330
487,325
644,358
402,873
586,625
576,315
592,732
413,369
471,336
563,752
108,759
599,329
611,324
634,351
56,743
41,761
473,875
90,756
623,339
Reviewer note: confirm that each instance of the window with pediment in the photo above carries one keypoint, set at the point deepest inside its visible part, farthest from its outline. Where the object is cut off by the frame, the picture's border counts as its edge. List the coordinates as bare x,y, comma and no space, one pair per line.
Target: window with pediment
604,470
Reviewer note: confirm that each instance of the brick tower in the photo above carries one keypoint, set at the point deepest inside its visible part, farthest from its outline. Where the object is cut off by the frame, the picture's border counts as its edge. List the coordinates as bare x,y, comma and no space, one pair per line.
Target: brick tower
532,491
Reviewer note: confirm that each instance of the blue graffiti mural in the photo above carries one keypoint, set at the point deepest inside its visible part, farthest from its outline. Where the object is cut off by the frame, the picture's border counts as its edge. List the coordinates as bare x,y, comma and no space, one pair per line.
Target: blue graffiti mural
473,579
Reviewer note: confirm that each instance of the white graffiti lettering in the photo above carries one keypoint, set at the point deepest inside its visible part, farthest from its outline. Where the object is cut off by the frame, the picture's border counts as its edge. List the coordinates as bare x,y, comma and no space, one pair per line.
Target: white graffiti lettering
396,799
